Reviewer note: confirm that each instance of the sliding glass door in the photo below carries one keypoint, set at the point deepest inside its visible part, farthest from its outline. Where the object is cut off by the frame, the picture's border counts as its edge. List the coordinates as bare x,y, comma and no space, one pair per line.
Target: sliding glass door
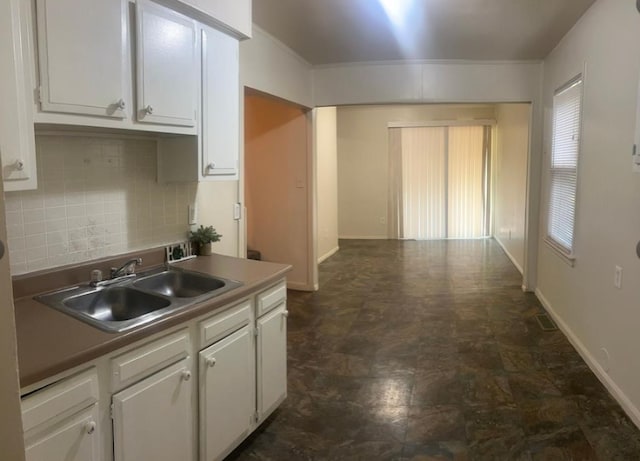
439,182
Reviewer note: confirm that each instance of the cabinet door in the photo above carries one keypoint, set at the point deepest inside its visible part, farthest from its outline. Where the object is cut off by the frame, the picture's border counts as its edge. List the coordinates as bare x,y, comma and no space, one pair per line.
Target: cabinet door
153,419
167,65
75,439
82,47
227,394
272,360
220,104
17,140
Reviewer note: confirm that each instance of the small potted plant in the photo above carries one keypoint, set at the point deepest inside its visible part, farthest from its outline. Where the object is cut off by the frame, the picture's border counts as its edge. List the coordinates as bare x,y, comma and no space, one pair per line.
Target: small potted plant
202,238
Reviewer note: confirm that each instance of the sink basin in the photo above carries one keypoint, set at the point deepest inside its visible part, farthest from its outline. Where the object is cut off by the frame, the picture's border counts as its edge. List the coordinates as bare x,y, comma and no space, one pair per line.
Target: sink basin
115,304
125,304
180,284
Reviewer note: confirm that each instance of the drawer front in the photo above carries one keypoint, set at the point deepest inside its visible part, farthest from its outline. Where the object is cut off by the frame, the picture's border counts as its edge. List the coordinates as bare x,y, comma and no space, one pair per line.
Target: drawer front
60,400
149,358
271,298
225,323
77,438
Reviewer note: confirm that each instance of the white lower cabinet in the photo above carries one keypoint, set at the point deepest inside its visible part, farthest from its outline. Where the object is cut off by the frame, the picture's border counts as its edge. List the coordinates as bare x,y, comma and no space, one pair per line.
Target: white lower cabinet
153,419
227,393
272,360
74,439
141,402
60,422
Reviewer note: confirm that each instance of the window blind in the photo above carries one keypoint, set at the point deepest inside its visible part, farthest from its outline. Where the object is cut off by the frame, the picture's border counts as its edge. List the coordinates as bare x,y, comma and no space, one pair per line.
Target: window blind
565,149
438,180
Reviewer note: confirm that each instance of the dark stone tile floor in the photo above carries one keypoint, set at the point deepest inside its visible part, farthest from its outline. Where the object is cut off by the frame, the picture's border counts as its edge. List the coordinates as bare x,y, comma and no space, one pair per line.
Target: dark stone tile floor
431,351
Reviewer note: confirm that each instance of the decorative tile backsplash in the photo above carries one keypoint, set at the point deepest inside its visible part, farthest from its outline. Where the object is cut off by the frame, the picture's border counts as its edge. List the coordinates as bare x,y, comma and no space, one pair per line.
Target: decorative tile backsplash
96,197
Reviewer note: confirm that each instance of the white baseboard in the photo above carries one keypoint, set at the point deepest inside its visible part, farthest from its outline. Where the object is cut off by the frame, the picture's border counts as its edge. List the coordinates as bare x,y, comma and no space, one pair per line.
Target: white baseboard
630,409
300,286
327,255
364,237
509,255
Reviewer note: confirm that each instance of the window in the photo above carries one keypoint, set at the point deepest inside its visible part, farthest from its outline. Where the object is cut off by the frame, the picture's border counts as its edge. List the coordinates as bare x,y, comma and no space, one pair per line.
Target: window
565,149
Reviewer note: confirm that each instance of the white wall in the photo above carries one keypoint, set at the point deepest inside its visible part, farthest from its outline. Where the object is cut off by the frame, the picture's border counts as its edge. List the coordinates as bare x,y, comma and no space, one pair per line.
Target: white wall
11,435
268,65
363,159
510,178
215,200
326,181
590,309
431,81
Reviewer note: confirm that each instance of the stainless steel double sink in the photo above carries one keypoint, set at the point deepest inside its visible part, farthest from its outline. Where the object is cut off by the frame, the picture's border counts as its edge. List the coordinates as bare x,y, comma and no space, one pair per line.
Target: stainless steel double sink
134,302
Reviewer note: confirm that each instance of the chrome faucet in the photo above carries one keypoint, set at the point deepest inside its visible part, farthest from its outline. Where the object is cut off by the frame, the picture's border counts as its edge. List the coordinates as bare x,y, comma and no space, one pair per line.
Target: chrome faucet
126,269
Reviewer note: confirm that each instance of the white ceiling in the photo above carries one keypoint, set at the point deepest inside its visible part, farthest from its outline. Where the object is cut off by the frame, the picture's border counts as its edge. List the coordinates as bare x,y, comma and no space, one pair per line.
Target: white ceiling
338,31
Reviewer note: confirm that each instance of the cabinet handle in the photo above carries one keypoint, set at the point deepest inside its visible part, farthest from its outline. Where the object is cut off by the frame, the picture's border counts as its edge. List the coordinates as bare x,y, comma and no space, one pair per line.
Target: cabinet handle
19,165
285,313
90,427
186,375
121,104
211,166
149,109
211,362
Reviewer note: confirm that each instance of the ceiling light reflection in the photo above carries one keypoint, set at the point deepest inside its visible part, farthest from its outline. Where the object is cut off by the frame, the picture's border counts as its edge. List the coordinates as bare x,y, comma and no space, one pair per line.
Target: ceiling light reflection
397,10
403,17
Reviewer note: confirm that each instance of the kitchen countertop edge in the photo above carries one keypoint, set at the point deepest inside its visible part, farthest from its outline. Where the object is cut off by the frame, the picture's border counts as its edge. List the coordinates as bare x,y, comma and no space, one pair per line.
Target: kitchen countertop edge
51,342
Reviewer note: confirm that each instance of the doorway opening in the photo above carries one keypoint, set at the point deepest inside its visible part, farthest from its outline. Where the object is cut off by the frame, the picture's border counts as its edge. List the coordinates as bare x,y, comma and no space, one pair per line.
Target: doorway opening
483,196
278,184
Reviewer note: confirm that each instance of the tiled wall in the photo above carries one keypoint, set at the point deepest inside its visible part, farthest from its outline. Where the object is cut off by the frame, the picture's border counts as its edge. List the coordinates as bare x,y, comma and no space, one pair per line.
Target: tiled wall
96,197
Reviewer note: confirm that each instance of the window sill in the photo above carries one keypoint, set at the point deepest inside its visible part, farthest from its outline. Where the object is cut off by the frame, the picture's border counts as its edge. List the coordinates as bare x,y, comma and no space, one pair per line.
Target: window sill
569,259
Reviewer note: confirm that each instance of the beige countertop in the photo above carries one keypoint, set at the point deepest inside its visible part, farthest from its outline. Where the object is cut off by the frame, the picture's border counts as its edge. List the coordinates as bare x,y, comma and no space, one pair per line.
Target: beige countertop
50,341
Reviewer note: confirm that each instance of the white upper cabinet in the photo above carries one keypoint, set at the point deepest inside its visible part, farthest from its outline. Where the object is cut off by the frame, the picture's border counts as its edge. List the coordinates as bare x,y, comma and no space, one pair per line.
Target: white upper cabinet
167,66
82,51
17,141
220,104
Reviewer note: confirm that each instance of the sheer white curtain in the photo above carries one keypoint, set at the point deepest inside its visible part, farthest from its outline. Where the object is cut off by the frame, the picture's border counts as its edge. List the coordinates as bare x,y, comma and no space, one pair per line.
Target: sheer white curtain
437,184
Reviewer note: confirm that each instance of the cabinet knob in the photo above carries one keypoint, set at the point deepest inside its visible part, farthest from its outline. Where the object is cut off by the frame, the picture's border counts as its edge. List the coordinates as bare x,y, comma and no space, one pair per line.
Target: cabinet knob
90,427
186,375
18,165
211,166
211,362
149,109
285,313
121,104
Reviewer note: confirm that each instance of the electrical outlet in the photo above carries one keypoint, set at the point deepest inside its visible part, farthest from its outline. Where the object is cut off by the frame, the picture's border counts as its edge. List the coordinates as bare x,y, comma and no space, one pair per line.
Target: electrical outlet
617,277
